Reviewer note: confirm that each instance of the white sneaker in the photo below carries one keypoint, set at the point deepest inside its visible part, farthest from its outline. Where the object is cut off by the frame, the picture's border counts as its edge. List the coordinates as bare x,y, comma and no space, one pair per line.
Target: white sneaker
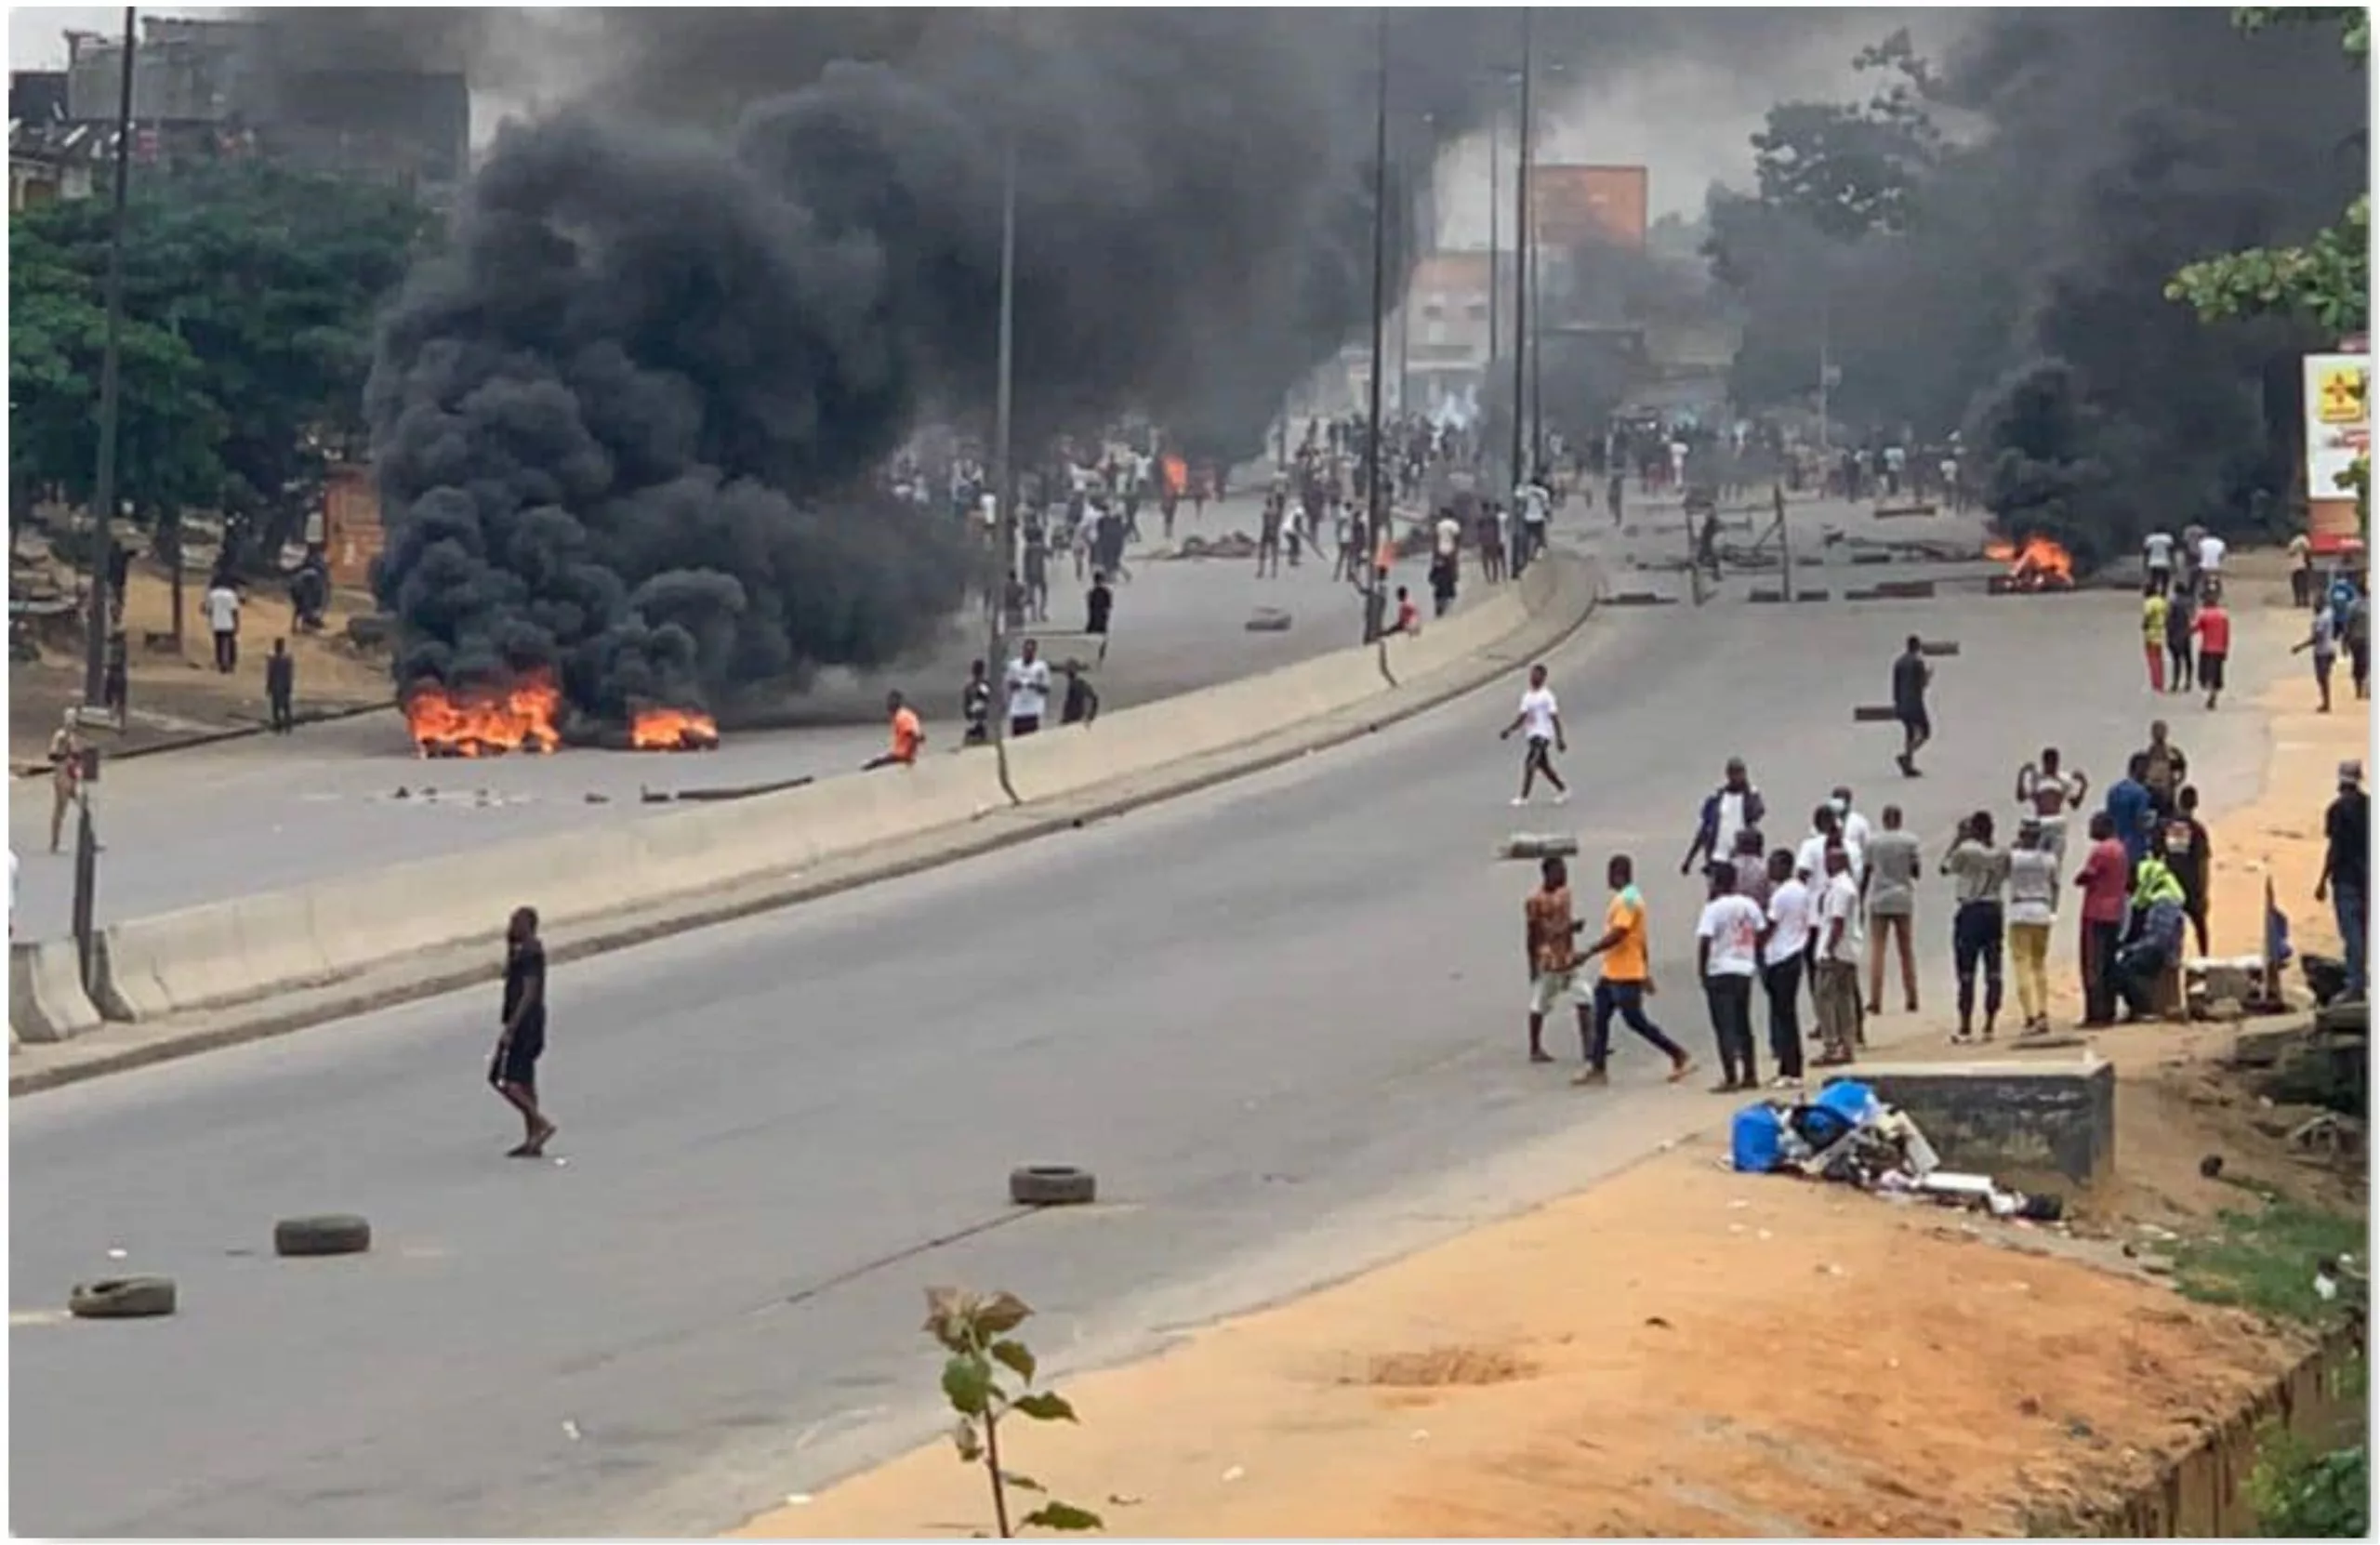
1780,1081
1563,798
1518,800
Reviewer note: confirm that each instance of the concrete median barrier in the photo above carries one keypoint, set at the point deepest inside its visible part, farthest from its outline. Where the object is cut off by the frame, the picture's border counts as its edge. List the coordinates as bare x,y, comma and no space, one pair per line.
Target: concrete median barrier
634,879
47,1003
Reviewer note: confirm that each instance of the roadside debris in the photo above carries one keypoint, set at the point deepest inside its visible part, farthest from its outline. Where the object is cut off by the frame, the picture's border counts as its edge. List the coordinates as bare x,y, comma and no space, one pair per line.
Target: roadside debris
1850,1137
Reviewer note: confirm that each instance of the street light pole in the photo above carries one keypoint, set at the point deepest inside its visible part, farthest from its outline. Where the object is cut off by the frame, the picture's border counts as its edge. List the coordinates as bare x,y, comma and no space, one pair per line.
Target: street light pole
1495,233
1525,240
1003,467
1376,473
97,609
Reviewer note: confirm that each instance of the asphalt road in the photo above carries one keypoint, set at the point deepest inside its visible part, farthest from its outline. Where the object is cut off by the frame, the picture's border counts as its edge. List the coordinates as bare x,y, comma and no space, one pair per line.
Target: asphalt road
1259,1013
259,813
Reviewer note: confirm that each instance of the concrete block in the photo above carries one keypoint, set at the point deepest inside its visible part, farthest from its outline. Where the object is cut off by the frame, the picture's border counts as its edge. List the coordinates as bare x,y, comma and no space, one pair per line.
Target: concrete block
47,1003
2035,1126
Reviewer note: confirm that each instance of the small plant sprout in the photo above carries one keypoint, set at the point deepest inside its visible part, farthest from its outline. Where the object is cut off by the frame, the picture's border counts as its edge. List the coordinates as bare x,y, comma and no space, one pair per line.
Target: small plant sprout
980,1336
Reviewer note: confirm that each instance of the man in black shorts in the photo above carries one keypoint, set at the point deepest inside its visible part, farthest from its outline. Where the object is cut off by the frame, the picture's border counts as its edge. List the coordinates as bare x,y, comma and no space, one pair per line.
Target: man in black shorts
513,1070
1910,678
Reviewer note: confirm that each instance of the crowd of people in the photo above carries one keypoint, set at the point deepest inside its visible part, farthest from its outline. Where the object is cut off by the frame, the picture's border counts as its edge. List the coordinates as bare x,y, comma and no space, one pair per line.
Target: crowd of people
1818,921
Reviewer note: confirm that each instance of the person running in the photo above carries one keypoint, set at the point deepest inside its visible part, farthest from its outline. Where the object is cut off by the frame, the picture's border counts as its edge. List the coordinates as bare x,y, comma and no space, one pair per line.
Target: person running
2153,608
2324,639
1728,812
1540,717
1782,946
1838,948
1978,930
2033,914
1627,979
908,736
1727,958
1911,676
1550,934
2052,792
2213,632
513,1070
1894,864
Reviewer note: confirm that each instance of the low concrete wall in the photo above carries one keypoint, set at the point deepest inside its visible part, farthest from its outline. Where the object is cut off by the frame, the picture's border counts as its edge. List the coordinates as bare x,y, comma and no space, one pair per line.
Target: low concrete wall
2032,1125
46,999
236,952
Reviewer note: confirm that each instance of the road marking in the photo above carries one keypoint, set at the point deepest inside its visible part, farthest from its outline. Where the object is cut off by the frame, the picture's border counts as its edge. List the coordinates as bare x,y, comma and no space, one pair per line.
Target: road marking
38,1317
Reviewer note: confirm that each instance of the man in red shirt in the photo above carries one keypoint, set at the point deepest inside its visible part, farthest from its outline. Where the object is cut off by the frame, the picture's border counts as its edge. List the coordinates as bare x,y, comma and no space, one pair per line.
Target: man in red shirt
2213,630
2105,880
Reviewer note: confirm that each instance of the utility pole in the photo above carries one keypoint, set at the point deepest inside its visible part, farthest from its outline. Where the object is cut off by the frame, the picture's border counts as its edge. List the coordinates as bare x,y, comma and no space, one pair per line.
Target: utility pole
1376,471
1003,464
1526,240
97,598
1495,233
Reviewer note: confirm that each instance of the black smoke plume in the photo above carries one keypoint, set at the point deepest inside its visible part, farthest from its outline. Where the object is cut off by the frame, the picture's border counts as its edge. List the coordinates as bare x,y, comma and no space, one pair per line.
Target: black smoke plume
625,422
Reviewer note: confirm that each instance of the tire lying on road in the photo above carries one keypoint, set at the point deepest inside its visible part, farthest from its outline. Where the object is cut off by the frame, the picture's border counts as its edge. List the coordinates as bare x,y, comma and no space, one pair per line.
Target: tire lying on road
123,1298
328,1234
1052,1186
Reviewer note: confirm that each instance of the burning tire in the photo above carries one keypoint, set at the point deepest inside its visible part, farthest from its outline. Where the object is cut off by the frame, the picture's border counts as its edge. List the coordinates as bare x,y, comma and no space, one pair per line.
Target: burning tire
123,1298
329,1233
1052,1186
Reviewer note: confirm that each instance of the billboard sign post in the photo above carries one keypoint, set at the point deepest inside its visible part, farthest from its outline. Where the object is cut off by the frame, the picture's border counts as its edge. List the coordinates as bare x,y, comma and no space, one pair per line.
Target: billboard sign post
2338,430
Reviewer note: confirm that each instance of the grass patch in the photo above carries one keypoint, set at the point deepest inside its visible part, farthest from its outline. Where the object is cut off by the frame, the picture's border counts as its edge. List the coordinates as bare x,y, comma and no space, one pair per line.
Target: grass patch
2263,1261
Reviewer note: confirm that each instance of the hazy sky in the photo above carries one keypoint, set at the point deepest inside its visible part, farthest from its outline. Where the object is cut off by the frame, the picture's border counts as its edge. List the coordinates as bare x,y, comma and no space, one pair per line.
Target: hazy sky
36,38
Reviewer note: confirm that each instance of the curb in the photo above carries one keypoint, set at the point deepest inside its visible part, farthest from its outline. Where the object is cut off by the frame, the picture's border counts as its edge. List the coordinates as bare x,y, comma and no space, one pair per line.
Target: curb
934,849
216,737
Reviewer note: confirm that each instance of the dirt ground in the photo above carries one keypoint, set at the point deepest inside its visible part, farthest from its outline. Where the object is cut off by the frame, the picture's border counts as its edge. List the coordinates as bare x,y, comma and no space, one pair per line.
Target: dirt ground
1683,1351
175,697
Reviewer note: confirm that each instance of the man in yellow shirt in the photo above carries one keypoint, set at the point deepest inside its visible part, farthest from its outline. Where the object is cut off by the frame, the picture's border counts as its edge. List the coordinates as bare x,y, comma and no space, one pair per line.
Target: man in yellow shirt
1627,977
2154,609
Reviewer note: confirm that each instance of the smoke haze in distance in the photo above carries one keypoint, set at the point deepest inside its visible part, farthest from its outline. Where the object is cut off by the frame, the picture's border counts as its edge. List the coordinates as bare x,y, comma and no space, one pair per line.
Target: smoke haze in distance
624,424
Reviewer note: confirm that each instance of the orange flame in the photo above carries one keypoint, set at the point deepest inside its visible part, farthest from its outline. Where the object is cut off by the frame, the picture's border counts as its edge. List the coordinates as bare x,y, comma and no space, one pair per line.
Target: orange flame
485,723
2039,565
1177,476
673,730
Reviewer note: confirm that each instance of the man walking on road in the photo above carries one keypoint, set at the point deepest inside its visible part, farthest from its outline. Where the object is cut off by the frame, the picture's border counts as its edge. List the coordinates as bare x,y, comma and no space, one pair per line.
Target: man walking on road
513,1070
1540,716
1910,678
66,748
1727,957
1551,937
1627,978
2213,630
1734,806
2346,880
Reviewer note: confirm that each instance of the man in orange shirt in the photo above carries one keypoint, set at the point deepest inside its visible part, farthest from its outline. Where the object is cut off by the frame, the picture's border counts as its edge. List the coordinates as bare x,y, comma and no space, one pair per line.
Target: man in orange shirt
908,736
2213,630
1627,977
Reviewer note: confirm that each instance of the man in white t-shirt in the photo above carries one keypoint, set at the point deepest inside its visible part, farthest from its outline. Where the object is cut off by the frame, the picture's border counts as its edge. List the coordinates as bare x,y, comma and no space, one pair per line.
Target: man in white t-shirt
1447,536
2156,552
1028,690
1727,952
1839,954
1677,464
223,621
1534,505
1783,945
1540,717
2210,560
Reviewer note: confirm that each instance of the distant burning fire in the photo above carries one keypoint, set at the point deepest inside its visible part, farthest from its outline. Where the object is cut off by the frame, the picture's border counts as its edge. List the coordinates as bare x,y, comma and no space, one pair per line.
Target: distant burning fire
673,730
2039,565
474,722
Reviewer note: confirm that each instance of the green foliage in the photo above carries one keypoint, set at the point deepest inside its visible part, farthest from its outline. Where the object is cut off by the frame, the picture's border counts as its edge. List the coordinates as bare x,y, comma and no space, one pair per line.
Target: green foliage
974,1333
1855,170
2299,1494
249,293
2264,1260
2327,282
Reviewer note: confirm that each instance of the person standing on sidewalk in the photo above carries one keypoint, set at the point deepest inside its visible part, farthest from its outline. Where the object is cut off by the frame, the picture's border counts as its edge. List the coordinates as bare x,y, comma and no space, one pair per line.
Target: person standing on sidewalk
2105,880
2346,880
223,622
1837,993
2189,853
2032,913
1894,864
1627,978
1978,930
513,1070
281,687
1782,946
1727,957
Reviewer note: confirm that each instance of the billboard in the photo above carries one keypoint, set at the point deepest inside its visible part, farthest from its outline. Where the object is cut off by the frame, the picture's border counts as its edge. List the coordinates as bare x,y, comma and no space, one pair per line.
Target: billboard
1572,205
2338,429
